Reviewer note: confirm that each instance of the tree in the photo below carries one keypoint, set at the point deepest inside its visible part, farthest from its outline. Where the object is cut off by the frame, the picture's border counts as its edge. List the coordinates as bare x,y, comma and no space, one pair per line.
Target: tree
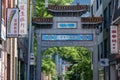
41,10
79,57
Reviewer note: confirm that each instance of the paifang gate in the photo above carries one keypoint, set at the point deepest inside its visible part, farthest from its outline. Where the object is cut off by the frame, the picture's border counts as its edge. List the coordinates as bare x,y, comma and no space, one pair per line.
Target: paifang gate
67,28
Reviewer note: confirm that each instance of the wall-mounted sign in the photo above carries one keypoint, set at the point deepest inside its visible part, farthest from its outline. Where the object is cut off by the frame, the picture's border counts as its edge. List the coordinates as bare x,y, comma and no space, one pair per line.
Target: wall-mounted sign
12,22
67,25
22,17
114,41
104,62
62,37
32,58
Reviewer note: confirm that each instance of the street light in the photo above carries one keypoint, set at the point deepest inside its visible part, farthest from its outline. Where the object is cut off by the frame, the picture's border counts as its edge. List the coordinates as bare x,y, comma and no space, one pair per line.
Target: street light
29,47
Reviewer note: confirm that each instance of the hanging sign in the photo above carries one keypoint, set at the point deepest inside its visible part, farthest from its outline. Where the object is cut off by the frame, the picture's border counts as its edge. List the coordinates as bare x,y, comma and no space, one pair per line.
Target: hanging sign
114,41
22,17
12,22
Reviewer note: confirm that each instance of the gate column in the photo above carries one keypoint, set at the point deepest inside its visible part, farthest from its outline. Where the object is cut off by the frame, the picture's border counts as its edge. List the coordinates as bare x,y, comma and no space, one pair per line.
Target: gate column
38,57
95,59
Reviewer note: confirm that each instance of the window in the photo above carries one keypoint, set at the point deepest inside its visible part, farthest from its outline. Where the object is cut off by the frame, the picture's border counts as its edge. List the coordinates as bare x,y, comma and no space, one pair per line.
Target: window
100,2
98,52
97,5
110,12
101,50
105,48
92,10
105,18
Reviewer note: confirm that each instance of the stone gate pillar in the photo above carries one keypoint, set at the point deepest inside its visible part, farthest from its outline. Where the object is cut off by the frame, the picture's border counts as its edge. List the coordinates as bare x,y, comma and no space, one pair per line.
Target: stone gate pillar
38,57
95,63
95,59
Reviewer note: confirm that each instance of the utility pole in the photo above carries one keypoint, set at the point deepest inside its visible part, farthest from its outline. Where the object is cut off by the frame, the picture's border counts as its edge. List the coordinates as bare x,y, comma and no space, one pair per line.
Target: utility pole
29,44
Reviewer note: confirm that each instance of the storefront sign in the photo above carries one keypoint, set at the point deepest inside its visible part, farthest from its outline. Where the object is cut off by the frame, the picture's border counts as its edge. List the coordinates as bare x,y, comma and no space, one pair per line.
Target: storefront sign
22,17
12,22
67,25
114,41
69,37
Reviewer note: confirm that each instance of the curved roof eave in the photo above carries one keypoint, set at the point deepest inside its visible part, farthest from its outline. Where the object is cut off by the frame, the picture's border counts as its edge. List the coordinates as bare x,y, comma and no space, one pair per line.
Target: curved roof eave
67,10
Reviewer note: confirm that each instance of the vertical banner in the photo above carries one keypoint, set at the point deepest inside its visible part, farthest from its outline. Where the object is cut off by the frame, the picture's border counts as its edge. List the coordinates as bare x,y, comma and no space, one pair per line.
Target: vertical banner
22,17
12,22
114,41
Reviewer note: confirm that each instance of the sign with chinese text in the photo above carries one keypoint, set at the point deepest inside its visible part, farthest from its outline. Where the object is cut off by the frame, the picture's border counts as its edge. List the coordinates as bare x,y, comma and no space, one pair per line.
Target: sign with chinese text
12,22
114,41
22,18
68,37
67,25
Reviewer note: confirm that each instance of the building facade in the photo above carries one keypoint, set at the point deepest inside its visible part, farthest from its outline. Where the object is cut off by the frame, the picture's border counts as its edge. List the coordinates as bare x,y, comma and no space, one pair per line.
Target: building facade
116,22
8,46
108,47
96,9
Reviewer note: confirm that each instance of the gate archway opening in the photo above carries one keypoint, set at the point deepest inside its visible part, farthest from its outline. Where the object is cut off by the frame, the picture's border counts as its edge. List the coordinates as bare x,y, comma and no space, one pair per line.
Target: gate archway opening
67,63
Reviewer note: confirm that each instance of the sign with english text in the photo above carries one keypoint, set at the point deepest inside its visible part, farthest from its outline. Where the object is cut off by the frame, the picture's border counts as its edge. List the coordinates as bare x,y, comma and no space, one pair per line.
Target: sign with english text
114,41
12,22
22,17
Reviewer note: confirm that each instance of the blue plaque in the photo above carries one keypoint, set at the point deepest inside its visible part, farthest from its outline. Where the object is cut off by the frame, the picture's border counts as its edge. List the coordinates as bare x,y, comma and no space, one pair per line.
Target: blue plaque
68,37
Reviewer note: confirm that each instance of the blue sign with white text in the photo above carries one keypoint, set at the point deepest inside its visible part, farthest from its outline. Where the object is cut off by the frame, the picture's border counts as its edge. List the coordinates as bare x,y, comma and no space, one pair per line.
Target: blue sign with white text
67,25
62,37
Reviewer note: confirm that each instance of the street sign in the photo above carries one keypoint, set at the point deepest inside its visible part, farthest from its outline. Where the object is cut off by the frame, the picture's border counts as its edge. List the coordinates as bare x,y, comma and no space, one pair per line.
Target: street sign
104,62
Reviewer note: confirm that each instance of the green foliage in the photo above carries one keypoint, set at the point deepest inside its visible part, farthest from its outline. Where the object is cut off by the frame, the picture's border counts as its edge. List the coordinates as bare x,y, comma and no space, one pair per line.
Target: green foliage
48,66
79,57
41,10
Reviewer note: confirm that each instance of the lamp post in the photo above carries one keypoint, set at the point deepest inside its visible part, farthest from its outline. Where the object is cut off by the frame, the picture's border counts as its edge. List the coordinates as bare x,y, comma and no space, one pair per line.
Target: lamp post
29,47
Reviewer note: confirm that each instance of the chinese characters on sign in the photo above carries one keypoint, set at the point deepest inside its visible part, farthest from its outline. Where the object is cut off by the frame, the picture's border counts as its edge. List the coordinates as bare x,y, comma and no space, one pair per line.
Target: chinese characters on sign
12,22
68,37
23,18
114,43
67,25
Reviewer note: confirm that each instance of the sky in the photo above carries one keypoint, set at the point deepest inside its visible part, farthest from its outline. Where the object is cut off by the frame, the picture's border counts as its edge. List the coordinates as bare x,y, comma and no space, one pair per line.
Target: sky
82,2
